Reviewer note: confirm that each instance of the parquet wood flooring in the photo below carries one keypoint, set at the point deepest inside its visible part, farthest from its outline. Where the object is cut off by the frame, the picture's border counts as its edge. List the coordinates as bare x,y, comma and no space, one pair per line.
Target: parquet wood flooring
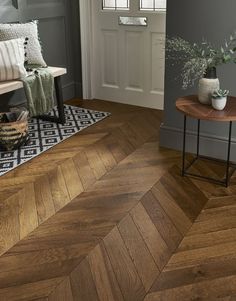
106,216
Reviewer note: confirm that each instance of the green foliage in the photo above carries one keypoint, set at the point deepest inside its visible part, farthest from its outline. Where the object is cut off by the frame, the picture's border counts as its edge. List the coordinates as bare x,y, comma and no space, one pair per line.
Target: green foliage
220,93
195,58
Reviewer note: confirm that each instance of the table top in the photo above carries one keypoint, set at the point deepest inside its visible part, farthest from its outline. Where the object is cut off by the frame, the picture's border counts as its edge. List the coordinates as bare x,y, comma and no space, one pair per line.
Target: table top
13,85
190,106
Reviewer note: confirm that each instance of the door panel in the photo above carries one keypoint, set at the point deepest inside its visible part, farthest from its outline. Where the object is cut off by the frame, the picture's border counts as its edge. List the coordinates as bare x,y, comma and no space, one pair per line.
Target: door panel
128,60
134,61
110,70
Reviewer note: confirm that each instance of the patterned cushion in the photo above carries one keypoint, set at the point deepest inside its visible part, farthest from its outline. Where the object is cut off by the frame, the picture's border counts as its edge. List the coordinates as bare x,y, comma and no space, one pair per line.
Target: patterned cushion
25,30
12,56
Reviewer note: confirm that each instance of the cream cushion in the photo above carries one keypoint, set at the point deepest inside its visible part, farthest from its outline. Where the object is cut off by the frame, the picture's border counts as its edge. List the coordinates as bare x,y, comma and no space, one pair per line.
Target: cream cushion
12,56
30,32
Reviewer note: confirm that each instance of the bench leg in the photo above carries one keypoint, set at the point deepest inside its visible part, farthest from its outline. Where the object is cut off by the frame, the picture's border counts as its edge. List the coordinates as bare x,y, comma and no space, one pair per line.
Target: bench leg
60,105
59,97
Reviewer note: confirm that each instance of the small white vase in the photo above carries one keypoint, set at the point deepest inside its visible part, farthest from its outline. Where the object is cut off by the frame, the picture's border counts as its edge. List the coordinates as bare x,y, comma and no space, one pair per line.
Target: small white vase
219,103
205,89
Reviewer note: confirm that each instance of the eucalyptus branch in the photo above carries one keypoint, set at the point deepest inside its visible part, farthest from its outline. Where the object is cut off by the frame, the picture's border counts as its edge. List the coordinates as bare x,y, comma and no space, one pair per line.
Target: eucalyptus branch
195,58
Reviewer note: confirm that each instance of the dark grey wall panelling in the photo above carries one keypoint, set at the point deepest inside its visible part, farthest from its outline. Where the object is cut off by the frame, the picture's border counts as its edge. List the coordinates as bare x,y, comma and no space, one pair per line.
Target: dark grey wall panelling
60,40
8,10
75,33
194,20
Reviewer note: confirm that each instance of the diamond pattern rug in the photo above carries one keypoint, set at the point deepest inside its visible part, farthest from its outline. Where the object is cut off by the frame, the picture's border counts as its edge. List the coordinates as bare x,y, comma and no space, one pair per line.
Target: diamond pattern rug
45,134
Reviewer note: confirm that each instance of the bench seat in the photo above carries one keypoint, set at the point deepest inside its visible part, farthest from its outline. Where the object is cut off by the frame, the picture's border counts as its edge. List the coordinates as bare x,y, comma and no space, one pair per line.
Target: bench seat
57,72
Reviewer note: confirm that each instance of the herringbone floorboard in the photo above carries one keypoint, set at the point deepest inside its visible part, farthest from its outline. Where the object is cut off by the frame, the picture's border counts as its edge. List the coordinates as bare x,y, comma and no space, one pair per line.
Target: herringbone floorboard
106,216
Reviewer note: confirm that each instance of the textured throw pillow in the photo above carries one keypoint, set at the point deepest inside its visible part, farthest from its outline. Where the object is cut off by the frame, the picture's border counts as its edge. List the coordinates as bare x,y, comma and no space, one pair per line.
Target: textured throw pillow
25,30
12,57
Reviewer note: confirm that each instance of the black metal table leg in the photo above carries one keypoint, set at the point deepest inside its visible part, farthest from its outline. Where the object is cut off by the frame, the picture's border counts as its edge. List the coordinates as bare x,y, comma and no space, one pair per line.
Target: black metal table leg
59,96
190,107
60,106
198,136
184,146
228,155
185,169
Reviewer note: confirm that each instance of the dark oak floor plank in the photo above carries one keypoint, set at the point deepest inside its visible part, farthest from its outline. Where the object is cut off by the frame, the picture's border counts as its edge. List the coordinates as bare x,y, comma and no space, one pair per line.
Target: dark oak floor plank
82,284
62,292
95,162
162,222
191,242
142,258
207,290
59,190
106,155
10,224
124,269
30,291
209,270
104,276
184,192
176,214
43,197
155,243
72,179
28,217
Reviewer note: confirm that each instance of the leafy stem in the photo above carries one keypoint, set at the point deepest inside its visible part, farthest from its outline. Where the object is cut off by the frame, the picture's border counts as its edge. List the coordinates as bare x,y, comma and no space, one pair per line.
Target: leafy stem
197,58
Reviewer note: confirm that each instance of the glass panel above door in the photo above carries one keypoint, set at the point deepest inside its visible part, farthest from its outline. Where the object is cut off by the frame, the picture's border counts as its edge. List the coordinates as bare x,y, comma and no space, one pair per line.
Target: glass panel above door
115,5
153,5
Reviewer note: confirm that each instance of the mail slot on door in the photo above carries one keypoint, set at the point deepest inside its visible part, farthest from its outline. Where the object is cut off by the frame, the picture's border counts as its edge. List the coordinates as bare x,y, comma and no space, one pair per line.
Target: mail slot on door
133,21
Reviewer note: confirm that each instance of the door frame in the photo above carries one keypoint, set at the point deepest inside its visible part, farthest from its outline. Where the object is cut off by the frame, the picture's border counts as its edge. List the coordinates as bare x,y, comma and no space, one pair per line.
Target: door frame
86,47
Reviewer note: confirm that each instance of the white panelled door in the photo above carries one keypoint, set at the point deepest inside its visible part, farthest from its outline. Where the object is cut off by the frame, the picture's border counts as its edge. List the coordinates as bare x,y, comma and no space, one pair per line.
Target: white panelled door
128,60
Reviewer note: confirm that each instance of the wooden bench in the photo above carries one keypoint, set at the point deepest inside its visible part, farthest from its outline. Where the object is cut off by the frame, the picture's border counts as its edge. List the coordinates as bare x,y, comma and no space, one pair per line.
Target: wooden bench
57,72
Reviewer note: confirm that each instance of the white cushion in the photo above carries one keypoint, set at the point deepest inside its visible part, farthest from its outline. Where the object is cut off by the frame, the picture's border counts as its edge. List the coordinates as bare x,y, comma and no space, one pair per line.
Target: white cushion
12,56
25,30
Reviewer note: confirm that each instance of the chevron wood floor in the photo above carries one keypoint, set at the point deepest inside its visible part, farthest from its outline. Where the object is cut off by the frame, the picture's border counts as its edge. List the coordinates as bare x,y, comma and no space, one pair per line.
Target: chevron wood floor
106,216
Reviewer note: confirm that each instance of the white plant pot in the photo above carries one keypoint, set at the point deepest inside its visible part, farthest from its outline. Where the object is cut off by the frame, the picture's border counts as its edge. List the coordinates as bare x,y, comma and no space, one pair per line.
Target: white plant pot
219,103
205,89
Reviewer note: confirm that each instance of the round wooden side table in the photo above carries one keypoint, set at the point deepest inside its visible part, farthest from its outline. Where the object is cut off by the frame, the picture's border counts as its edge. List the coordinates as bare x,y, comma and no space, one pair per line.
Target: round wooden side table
191,107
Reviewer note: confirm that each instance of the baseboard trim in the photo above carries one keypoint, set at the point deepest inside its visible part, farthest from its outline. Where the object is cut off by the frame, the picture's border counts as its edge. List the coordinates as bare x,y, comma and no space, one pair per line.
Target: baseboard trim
210,145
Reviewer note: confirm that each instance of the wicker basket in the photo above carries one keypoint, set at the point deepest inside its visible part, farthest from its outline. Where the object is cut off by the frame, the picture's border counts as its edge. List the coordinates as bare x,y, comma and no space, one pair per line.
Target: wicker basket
13,134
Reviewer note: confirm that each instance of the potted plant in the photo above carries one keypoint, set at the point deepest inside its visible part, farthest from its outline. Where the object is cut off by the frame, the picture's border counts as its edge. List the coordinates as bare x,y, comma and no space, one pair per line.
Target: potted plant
219,99
199,62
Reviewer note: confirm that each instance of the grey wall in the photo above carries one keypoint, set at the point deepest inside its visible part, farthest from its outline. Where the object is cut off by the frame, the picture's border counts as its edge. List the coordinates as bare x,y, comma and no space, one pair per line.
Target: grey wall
60,36
194,20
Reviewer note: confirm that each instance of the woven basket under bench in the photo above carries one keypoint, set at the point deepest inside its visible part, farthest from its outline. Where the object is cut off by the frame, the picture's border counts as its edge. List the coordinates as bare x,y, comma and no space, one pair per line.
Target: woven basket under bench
13,134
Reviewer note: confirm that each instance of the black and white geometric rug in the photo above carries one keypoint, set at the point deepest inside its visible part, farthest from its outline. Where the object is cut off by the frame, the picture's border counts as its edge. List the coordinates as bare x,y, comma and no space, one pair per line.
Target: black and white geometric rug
45,134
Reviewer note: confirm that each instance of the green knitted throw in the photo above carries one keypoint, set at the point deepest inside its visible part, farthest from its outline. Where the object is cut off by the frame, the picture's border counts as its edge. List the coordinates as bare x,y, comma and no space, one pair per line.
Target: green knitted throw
39,89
